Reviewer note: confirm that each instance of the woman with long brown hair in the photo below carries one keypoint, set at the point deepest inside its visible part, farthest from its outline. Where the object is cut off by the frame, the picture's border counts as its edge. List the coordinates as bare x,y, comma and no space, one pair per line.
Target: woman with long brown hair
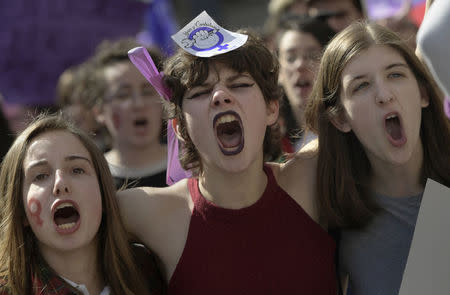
61,231
382,133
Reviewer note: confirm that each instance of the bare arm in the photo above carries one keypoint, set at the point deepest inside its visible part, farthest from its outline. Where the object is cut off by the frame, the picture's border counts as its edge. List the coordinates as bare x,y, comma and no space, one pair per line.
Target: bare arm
159,218
298,178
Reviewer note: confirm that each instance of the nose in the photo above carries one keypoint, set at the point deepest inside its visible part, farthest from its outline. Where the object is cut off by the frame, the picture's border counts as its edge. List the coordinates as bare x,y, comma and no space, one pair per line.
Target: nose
61,187
383,95
138,99
221,97
302,62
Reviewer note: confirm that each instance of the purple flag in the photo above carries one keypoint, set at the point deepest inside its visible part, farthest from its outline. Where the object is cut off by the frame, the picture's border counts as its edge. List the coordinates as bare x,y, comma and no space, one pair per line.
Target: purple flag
379,9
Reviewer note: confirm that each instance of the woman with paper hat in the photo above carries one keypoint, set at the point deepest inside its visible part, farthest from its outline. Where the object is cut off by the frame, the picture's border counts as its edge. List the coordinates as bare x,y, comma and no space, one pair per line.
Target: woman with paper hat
237,226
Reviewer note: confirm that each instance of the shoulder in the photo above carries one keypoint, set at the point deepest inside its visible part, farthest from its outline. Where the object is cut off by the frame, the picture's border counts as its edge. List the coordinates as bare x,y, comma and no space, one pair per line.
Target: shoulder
152,203
298,178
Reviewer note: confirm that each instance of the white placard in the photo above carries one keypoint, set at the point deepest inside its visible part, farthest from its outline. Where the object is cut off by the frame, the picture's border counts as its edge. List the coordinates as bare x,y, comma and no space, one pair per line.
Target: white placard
204,37
428,267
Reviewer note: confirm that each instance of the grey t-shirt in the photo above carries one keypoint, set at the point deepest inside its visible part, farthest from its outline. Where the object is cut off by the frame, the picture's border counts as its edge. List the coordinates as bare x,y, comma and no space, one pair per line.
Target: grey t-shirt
375,256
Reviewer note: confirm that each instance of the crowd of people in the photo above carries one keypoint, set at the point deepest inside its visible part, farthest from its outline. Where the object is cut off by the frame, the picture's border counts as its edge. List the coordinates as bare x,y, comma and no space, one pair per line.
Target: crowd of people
309,147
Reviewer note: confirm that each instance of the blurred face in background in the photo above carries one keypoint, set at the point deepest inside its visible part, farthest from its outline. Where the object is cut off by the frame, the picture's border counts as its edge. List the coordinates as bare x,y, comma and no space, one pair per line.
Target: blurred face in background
343,12
299,55
132,109
83,117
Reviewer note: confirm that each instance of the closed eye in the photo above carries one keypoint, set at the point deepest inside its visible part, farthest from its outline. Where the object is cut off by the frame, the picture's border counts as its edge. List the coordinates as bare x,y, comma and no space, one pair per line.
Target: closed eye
242,85
198,94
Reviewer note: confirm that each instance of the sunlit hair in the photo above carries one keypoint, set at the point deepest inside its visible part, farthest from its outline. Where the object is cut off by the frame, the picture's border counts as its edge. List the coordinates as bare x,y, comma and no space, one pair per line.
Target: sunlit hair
344,170
184,71
18,246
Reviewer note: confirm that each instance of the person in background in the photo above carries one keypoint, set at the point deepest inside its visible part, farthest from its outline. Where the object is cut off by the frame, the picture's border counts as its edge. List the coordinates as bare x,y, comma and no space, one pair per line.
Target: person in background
382,133
61,229
300,43
337,13
132,111
76,99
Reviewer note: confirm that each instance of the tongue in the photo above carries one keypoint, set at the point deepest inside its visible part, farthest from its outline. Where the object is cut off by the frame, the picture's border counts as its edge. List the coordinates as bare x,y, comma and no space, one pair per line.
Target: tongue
66,215
63,220
229,134
230,140
393,128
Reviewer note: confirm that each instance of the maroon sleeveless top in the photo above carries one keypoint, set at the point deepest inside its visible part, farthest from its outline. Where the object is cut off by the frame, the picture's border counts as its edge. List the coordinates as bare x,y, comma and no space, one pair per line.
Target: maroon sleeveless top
270,247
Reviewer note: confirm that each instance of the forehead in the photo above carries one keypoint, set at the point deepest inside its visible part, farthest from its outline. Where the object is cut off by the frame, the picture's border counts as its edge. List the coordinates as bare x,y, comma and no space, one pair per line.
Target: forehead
54,145
123,71
220,71
294,39
364,63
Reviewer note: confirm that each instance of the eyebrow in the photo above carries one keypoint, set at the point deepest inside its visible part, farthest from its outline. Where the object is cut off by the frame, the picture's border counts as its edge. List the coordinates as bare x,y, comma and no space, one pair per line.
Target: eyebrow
67,159
228,79
390,66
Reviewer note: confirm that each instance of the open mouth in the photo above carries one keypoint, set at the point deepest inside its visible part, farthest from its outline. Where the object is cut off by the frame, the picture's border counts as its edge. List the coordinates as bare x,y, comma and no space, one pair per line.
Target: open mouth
140,122
394,130
229,132
66,217
303,84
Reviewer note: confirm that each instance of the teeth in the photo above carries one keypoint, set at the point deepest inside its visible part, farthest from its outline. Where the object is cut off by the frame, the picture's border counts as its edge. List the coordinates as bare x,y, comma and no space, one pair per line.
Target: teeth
391,117
64,205
226,119
66,225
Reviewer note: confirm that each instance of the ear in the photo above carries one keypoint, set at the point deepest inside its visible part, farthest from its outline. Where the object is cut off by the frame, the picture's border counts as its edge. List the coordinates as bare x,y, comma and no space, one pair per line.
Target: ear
425,101
340,122
272,110
176,129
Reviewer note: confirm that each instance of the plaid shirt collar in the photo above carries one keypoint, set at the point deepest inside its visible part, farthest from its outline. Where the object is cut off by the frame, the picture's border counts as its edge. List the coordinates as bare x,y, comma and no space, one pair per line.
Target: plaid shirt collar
45,281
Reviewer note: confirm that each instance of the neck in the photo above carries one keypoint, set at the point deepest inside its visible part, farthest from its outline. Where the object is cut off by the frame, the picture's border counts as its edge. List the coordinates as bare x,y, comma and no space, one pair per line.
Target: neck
80,266
399,180
233,190
136,157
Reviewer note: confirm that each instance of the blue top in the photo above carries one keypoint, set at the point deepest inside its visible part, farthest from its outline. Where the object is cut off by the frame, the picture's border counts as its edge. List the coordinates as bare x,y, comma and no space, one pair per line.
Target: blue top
375,257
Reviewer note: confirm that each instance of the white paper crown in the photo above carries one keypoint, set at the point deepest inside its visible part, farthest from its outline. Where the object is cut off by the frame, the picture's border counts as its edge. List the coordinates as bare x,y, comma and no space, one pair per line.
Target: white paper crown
204,37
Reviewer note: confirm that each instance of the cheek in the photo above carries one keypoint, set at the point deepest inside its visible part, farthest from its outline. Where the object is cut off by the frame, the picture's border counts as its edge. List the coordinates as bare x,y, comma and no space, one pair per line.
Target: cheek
285,76
34,209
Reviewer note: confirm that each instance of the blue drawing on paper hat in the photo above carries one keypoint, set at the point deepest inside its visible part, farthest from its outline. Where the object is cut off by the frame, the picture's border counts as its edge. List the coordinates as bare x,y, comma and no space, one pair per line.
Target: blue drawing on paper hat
205,38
